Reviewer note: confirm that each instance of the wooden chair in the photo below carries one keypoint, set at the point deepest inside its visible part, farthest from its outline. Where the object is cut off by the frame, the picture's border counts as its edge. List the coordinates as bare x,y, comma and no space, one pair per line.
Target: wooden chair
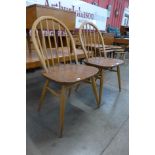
119,51
91,39
64,72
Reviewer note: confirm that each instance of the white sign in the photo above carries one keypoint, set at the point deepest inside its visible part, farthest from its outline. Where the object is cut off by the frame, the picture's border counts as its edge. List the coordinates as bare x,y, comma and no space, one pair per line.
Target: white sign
125,19
84,11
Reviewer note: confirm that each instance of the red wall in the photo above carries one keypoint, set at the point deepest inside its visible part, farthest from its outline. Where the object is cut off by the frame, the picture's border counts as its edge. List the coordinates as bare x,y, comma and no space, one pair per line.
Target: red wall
116,4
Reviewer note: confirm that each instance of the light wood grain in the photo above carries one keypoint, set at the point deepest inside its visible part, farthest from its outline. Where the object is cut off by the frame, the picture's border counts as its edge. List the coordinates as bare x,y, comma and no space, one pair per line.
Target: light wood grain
57,61
70,73
104,62
99,57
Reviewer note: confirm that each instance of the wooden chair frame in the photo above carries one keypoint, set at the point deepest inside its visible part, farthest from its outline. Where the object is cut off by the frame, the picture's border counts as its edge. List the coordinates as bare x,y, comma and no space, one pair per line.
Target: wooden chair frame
90,30
49,66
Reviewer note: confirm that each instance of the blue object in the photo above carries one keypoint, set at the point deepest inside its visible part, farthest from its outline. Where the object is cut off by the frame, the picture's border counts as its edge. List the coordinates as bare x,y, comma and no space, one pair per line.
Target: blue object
115,31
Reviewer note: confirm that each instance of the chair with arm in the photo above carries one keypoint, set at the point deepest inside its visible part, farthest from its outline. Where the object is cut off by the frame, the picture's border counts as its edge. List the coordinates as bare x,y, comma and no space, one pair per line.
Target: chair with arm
59,62
91,39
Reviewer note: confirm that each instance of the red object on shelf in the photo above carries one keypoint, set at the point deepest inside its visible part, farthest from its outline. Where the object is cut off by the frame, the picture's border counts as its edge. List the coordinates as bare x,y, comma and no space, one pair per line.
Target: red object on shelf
120,5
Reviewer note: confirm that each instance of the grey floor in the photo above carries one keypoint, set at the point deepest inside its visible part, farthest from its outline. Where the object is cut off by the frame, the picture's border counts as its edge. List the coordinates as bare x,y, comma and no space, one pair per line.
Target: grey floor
88,131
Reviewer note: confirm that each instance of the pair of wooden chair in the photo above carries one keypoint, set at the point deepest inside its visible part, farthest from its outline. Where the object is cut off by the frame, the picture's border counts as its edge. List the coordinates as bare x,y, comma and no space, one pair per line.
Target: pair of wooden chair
67,72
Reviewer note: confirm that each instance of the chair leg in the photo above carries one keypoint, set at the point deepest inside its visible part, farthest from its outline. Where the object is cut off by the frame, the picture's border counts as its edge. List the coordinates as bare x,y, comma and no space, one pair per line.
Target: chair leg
112,55
77,87
119,77
62,110
95,91
43,95
101,86
69,92
124,57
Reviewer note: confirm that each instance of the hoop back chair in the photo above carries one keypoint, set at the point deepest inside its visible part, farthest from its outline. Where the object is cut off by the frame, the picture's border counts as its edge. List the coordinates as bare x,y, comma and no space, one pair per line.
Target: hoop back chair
95,54
57,60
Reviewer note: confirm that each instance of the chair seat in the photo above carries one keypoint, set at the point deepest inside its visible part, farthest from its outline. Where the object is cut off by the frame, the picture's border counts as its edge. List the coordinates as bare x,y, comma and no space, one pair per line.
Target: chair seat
70,73
103,62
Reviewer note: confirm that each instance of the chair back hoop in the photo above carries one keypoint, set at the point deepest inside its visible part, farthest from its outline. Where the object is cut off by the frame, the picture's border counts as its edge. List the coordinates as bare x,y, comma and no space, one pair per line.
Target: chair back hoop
91,40
53,42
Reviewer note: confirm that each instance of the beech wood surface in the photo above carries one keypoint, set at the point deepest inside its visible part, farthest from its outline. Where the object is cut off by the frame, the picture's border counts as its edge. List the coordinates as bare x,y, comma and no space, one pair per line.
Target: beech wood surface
104,62
70,73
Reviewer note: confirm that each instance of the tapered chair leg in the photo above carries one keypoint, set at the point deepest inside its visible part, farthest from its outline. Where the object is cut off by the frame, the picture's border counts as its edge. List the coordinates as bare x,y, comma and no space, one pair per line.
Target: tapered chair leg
95,91
43,95
119,77
62,110
101,86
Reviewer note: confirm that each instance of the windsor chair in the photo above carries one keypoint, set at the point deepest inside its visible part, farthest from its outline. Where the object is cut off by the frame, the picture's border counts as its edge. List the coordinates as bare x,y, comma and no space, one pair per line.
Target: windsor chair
95,54
66,73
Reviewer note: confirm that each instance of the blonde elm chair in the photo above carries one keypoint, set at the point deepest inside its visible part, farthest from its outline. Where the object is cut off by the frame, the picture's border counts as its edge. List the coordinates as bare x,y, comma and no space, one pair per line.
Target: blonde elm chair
59,62
95,54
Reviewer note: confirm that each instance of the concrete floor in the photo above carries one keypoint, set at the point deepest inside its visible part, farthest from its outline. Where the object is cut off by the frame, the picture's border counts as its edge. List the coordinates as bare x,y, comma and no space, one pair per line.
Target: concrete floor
88,131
